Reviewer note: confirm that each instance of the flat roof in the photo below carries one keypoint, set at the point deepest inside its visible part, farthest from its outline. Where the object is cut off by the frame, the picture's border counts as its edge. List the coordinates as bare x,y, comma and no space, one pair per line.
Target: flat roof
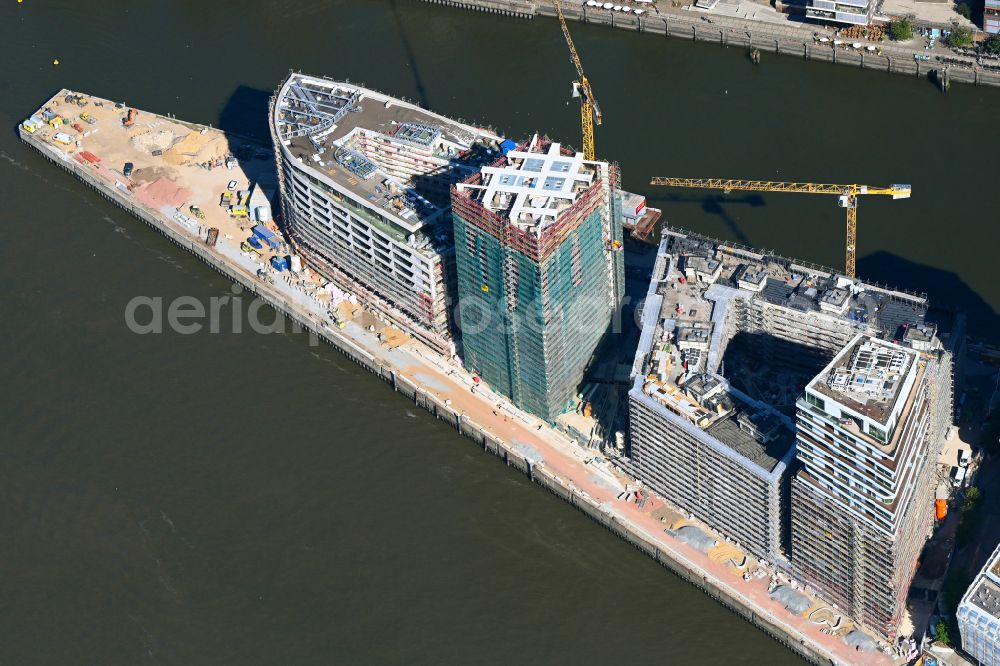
532,185
736,432
391,154
867,377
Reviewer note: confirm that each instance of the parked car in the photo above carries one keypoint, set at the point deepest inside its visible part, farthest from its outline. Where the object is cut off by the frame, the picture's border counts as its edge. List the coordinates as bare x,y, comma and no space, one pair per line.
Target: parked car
957,476
231,186
963,457
127,171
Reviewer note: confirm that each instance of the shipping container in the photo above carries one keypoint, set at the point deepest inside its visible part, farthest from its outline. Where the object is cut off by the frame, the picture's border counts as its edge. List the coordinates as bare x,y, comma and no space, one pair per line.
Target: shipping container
267,236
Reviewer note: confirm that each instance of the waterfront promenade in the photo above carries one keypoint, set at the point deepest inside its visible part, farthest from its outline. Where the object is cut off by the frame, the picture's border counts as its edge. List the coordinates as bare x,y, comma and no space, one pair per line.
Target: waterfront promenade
791,38
445,389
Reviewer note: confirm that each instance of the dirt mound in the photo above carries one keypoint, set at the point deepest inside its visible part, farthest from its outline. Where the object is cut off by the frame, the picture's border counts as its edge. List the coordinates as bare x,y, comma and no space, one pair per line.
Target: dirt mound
163,191
150,141
196,148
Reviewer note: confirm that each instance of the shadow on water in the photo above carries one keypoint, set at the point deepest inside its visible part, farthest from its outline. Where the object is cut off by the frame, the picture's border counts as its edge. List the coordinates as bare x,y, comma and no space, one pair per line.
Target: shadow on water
245,114
410,59
714,204
944,288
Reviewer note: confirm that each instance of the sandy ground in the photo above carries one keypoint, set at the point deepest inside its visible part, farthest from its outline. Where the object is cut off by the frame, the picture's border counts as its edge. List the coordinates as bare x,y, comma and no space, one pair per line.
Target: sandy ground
588,474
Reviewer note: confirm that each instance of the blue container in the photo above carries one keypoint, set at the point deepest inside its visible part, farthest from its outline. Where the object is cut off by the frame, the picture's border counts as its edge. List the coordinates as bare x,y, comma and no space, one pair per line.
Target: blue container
279,263
506,146
254,243
267,236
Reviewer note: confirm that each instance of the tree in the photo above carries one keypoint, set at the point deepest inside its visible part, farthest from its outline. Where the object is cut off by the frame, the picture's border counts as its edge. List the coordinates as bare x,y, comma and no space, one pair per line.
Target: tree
993,46
941,633
960,36
901,29
964,10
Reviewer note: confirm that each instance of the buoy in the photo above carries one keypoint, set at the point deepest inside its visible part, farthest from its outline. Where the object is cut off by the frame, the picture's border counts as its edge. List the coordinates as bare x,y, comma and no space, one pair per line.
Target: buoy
55,62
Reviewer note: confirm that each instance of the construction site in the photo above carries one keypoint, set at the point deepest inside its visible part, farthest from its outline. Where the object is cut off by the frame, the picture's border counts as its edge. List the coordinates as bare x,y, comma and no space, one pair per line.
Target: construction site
731,338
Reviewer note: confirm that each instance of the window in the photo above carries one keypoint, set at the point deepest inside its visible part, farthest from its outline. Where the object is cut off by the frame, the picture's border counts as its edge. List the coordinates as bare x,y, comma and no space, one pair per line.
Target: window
815,402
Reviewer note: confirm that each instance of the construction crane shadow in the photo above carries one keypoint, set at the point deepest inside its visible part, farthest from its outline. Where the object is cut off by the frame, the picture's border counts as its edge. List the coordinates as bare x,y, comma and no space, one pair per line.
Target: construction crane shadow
410,58
713,205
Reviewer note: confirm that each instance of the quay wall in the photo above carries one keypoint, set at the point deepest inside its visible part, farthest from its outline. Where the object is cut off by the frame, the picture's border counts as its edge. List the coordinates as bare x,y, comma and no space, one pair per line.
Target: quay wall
490,443
757,37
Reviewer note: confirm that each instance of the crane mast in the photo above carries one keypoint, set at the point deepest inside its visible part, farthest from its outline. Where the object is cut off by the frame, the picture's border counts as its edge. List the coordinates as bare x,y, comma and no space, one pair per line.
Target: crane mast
590,110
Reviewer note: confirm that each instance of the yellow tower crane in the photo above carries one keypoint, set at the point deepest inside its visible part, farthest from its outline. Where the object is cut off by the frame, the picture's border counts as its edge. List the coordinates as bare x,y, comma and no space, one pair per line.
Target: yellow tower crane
590,111
847,198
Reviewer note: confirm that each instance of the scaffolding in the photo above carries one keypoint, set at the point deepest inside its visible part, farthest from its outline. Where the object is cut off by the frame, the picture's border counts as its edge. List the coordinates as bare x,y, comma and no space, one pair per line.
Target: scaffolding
535,302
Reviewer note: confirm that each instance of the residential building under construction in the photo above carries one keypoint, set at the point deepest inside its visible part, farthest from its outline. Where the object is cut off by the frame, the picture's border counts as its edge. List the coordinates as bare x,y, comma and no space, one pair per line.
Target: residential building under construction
365,181
870,428
979,614
730,340
538,241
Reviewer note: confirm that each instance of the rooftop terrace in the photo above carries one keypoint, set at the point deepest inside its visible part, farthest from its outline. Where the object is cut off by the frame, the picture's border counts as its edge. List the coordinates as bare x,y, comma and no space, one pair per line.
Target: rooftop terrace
867,377
388,153
531,185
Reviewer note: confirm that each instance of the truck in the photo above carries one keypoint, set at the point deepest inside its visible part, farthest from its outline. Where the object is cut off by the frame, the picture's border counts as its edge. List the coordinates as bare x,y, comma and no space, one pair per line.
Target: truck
130,117
266,235
213,236
226,199
255,243
239,211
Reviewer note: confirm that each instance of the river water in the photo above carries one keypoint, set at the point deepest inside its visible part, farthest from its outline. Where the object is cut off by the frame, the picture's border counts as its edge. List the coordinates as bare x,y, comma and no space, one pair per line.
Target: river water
250,499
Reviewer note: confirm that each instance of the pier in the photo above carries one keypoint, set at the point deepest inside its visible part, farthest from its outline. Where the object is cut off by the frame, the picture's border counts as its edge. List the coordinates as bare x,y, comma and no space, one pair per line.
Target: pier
547,457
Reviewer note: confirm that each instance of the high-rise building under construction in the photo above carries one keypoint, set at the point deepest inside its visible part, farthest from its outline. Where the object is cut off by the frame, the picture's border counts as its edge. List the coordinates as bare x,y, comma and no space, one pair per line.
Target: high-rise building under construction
540,271
870,426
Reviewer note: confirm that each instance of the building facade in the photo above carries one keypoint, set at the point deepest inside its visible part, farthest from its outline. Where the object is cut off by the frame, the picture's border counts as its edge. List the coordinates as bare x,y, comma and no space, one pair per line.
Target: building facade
365,190
979,615
991,17
850,12
869,428
693,438
540,269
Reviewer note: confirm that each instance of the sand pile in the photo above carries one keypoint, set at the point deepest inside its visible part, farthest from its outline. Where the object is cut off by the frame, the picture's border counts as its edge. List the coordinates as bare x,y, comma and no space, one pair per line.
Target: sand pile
196,148
163,192
150,141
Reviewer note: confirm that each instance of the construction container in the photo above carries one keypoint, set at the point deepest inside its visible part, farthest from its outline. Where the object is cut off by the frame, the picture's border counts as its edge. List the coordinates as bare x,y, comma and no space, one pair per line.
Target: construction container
296,263
63,138
279,263
262,213
267,236
940,509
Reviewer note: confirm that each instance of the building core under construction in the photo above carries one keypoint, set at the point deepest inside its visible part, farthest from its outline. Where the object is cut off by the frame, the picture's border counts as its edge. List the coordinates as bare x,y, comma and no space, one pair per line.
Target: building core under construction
365,184
733,342
538,242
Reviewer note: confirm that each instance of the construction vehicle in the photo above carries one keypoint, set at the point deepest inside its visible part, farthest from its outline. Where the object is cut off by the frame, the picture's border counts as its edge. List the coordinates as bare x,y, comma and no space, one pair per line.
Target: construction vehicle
590,110
87,118
239,211
197,212
226,199
32,124
847,198
130,117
